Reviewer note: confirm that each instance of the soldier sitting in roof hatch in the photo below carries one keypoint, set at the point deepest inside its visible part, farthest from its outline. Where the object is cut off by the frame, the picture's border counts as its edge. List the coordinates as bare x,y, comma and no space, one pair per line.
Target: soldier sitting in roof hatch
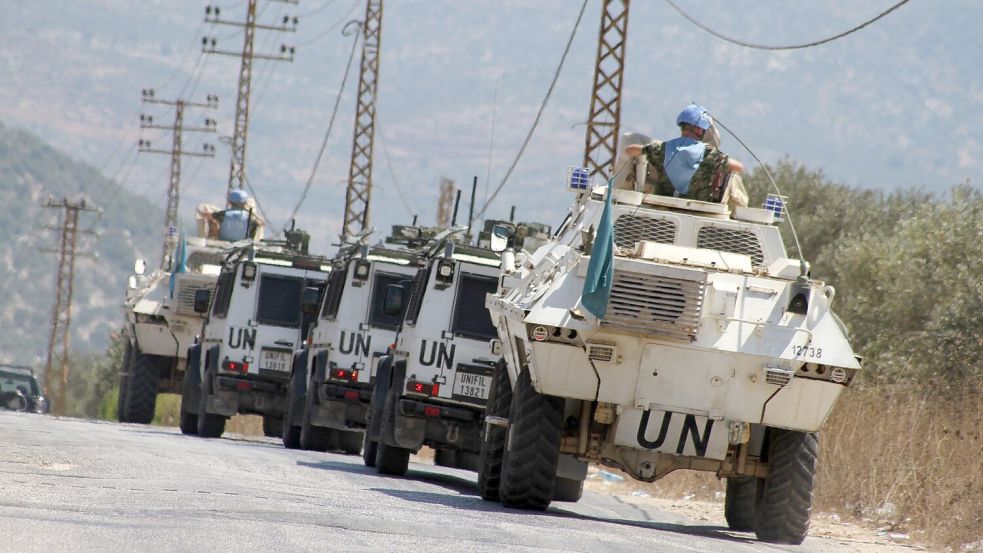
691,166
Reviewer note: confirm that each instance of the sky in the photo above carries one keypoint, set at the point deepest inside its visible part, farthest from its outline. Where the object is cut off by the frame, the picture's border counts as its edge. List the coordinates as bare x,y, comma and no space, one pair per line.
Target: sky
895,105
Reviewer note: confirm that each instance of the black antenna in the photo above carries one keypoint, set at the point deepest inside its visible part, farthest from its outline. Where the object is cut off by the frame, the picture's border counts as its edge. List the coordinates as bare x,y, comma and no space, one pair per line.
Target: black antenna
457,202
512,215
474,187
414,221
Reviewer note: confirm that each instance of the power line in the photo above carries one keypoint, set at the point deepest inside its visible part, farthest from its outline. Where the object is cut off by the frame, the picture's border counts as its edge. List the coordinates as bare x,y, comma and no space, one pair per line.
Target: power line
392,174
327,134
785,47
325,6
332,27
539,114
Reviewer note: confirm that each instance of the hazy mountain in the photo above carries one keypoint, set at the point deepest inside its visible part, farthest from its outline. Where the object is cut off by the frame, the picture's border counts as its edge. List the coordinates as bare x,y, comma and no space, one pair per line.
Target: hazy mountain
30,171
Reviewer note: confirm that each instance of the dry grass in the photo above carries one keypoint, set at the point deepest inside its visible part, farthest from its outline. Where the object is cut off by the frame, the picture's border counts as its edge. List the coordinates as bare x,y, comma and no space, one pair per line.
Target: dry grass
247,425
909,459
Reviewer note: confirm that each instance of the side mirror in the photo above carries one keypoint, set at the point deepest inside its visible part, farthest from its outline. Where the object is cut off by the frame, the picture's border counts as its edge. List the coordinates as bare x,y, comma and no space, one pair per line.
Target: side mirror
499,238
392,305
139,267
309,302
202,299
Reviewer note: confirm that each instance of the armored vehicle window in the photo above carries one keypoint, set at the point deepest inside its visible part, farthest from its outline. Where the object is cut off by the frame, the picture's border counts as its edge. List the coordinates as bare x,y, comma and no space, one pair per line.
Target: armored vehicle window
631,229
378,317
471,317
731,240
223,294
336,285
416,297
279,300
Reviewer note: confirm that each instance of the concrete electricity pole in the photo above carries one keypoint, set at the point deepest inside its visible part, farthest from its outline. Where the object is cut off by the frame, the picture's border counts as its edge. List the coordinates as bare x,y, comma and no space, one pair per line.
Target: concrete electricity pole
604,121
237,169
359,190
176,152
61,317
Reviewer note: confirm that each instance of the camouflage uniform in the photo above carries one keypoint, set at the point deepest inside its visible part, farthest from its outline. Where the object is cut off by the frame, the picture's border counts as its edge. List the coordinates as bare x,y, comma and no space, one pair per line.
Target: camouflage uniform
707,184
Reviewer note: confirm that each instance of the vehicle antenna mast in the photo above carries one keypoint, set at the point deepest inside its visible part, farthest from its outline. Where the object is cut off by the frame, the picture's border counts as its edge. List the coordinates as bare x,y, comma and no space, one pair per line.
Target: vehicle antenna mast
359,190
604,122
176,152
237,168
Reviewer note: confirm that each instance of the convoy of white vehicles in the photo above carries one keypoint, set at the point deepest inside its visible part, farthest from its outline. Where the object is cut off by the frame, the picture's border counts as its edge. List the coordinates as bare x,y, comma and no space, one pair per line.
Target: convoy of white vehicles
714,350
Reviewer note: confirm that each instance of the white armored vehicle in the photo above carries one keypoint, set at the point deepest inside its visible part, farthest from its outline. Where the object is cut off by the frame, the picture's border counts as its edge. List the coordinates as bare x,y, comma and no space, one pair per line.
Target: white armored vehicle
716,353
265,301
161,325
434,388
332,377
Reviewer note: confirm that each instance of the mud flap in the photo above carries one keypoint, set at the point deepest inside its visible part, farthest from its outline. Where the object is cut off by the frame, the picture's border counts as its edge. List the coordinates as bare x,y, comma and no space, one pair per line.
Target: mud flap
298,391
383,379
409,432
568,466
222,403
321,367
329,414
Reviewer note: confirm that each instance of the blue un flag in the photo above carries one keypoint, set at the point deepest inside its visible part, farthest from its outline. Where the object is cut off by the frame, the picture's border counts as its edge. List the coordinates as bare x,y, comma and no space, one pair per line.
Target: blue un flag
600,271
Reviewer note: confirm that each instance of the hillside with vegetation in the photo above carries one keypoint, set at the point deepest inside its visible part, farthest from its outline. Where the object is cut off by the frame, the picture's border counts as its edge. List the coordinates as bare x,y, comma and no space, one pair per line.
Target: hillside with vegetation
128,226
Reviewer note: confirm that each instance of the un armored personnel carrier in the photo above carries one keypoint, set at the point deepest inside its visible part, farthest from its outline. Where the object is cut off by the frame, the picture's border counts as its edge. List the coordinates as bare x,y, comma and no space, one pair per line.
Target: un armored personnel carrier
161,324
264,303
433,389
716,352
20,391
333,373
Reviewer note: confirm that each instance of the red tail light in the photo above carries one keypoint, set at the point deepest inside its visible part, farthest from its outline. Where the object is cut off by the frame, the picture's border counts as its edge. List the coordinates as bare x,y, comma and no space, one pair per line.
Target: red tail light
431,411
351,395
235,366
242,386
344,374
422,388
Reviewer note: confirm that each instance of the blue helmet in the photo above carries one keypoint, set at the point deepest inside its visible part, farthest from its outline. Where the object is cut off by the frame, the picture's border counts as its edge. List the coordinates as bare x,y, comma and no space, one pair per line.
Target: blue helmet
694,115
238,196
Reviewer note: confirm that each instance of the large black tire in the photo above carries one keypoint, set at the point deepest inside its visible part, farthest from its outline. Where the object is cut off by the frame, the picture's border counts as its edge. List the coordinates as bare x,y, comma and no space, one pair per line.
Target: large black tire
123,371
785,503
272,426
350,442
742,494
532,448
390,459
142,379
290,434
568,489
209,425
190,385
370,448
315,438
493,442
444,457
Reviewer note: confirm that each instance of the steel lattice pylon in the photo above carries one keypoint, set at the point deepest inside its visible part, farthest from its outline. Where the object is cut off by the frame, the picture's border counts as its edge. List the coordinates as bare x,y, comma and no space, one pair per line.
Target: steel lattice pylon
237,167
359,190
174,187
604,123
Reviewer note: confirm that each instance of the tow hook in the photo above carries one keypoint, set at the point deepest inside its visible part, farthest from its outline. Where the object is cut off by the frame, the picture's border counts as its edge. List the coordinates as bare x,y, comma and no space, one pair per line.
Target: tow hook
453,433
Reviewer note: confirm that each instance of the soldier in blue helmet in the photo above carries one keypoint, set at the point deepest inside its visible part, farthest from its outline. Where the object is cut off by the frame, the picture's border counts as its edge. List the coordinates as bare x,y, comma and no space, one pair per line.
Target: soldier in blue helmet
689,167
237,222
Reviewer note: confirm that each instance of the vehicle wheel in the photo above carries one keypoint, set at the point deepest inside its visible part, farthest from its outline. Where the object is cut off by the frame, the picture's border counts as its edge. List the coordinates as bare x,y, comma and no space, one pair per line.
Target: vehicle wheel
209,425
189,407
568,489
444,457
493,444
742,493
466,460
785,504
123,370
532,447
350,442
141,388
290,433
315,438
390,459
272,426
370,449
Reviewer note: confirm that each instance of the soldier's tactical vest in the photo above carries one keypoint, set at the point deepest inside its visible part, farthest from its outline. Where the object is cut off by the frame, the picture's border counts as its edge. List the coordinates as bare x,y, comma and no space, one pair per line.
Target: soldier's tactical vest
705,186
235,225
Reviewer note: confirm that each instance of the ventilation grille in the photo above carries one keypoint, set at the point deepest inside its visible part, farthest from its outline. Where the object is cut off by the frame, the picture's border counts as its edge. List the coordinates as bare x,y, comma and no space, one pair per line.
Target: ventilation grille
777,376
732,241
185,288
630,230
601,352
663,305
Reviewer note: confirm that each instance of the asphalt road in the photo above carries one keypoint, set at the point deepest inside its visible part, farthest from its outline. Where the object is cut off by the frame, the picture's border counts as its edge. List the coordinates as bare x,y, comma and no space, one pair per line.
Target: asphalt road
74,485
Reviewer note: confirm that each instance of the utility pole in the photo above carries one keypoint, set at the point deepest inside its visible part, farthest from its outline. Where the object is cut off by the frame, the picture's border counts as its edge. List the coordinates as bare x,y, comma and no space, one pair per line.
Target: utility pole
445,203
359,190
209,45
176,151
61,317
604,122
